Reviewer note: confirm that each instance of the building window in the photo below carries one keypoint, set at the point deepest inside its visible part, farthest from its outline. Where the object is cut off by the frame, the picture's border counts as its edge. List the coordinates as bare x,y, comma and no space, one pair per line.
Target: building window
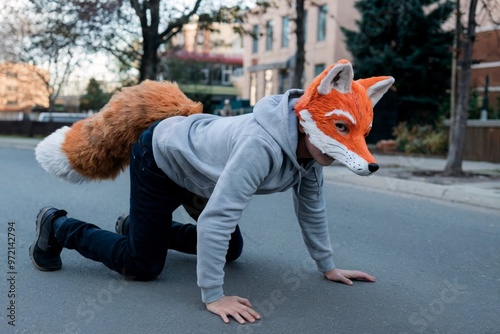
227,71
269,35
180,40
268,82
205,76
238,72
238,42
216,75
322,15
255,39
253,88
285,32
200,38
318,68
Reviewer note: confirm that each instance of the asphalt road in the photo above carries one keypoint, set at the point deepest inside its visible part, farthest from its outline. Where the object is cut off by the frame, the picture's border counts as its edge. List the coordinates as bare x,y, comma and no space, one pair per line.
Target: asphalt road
437,266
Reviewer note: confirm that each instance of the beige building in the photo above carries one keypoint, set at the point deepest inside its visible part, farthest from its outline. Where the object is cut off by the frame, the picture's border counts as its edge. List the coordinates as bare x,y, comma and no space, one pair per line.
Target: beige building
269,59
220,40
22,87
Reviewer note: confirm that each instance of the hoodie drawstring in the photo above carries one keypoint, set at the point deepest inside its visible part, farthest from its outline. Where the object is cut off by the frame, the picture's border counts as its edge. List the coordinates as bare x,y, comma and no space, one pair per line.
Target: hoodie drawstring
315,171
300,181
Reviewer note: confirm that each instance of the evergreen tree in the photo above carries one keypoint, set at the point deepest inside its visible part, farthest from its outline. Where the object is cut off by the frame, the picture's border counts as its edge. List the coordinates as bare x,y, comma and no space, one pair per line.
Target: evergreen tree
405,39
95,98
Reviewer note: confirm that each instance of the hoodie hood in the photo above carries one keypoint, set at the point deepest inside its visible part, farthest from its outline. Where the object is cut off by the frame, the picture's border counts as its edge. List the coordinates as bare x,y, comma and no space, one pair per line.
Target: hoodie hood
276,115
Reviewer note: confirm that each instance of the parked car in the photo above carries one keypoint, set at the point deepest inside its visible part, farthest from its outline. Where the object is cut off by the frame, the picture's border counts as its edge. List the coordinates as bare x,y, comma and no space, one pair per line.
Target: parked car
61,117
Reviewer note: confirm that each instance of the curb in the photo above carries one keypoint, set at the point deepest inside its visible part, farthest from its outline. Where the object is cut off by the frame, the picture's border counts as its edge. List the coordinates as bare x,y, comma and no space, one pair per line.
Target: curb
456,193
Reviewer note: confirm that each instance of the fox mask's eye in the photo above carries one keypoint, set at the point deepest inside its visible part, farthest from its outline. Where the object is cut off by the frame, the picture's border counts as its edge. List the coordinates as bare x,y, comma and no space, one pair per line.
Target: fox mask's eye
342,128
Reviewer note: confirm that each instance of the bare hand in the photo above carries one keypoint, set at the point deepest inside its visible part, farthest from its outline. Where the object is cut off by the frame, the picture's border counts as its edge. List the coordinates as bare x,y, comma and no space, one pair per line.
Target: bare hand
345,276
239,308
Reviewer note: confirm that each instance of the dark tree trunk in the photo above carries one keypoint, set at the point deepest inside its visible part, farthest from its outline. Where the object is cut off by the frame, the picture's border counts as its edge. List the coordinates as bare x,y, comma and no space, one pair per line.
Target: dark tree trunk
151,36
459,130
300,56
149,60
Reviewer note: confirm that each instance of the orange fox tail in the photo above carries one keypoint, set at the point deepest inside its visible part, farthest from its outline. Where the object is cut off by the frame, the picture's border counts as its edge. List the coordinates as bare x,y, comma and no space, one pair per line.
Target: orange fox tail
99,146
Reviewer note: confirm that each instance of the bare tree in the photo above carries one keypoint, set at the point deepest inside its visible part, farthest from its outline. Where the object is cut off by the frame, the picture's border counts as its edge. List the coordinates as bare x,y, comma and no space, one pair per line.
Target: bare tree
135,31
458,127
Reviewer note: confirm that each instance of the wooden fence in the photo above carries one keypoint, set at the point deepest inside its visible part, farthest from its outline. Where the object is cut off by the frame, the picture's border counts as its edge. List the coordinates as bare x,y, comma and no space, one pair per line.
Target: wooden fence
483,140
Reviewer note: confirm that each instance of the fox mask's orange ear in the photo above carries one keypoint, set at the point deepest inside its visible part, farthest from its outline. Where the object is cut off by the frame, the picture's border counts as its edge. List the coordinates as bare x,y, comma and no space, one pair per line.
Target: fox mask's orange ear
339,77
376,87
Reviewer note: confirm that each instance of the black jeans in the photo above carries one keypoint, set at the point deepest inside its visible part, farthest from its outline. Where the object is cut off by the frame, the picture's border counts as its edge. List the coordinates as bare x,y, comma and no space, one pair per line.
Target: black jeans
154,197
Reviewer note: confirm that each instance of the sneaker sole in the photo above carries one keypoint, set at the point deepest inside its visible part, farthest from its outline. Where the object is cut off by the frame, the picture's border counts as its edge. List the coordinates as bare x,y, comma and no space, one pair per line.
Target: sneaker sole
32,247
119,224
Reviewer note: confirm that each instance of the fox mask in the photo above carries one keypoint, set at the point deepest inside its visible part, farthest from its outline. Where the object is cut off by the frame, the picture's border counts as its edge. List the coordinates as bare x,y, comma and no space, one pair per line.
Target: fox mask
336,113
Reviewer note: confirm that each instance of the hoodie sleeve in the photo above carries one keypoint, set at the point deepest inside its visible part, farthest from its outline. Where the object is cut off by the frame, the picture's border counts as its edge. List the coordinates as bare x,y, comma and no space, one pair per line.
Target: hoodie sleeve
310,209
248,165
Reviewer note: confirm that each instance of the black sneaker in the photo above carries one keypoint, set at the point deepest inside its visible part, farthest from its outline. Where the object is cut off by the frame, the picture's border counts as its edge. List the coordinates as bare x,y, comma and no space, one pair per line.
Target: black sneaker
122,225
45,250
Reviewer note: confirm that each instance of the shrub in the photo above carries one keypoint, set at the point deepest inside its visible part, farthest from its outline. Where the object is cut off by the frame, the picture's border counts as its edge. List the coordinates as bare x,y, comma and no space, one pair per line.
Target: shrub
421,139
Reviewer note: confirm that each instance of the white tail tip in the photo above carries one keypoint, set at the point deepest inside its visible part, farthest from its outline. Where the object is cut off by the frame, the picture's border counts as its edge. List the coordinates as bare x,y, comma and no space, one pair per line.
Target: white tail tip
50,156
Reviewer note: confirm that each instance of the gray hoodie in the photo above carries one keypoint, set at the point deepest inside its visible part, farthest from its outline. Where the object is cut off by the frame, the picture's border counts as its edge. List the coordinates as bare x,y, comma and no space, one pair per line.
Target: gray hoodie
228,160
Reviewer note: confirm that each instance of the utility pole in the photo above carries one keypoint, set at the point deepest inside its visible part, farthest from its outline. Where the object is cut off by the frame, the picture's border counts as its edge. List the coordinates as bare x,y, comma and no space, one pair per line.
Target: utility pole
486,99
454,54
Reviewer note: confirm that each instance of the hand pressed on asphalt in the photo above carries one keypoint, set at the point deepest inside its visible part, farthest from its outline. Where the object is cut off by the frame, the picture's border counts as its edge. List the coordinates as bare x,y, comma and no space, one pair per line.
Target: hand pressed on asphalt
239,308
346,276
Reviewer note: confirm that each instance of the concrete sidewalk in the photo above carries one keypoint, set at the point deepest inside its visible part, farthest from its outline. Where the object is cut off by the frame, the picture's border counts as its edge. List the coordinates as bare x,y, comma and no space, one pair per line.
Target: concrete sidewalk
398,174
414,175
